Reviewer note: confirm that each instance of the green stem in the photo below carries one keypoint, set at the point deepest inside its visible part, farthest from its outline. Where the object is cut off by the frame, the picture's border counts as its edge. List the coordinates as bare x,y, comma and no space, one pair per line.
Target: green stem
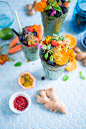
3,46
9,59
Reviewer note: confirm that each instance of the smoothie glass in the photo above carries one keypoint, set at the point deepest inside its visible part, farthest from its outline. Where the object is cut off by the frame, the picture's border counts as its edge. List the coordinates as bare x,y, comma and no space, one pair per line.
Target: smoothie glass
30,53
53,72
52,26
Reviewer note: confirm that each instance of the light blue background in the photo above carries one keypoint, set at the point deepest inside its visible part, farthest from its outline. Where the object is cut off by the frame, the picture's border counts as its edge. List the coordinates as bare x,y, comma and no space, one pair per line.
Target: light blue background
71,92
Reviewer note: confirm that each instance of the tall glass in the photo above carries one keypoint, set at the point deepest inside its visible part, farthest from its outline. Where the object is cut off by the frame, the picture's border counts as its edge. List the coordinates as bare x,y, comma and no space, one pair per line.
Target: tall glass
52,26
51,72
6,15
30,53
78,22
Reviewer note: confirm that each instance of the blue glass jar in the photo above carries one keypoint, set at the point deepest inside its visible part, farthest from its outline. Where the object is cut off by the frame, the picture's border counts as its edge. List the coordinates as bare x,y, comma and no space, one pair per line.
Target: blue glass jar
78,22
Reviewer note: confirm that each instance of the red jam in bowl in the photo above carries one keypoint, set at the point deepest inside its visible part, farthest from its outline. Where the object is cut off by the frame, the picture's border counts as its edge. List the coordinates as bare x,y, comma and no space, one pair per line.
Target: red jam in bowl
20,103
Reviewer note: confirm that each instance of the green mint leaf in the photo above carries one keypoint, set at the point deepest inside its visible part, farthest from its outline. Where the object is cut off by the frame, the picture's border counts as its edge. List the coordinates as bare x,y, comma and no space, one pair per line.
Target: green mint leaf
52,39
18,64
54,3
58,8
46,55
51,58
49,46
45,47
49,1
82,77
50,52
66,77
48,7
41,56
80,73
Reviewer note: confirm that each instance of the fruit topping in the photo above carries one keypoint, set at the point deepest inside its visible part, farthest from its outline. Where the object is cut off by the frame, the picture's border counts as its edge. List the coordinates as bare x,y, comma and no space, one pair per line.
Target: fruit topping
31,35
30,29
49,12
71,40
58,14
53,8
64,10
35,33
63,1
25,42
20,103
58,0
54,50
25,31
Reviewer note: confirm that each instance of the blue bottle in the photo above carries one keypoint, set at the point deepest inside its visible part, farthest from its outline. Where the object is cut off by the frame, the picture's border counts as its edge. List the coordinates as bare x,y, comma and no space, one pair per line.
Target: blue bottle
78,22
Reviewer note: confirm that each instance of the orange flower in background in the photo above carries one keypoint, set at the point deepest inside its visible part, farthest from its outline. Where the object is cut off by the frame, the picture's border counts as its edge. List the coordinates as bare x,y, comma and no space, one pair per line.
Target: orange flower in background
40,6
35,27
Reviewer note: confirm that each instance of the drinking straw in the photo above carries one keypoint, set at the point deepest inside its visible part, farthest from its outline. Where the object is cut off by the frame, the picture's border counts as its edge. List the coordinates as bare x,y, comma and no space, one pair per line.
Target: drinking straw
15,32
18,20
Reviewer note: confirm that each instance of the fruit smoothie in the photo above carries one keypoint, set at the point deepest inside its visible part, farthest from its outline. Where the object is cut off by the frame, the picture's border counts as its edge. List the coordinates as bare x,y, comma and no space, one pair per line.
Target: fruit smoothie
53,51
53,13
30,37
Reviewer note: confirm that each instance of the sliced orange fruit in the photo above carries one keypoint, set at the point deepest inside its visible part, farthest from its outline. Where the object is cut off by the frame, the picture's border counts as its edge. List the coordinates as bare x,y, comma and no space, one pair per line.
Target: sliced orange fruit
63,59
71,40
71,66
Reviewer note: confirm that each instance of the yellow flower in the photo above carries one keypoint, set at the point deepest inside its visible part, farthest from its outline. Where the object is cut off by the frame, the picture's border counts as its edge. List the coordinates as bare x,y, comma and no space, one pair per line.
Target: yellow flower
48,40
40,6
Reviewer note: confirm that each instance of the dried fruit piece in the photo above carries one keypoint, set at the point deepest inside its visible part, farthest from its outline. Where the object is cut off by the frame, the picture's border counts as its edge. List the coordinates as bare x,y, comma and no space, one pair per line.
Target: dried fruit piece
20,103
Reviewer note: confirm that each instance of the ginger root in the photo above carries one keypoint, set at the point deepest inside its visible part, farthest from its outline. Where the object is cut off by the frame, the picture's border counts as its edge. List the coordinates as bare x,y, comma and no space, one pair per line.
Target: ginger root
80,55
53,103
31,8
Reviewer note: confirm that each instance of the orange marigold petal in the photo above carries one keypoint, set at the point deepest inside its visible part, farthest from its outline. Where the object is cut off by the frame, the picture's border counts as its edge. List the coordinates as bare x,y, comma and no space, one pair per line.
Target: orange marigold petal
40,6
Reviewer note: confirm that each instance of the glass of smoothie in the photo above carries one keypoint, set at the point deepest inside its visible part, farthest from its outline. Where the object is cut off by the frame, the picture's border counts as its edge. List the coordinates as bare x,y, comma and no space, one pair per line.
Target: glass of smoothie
30,37
55,54
53,13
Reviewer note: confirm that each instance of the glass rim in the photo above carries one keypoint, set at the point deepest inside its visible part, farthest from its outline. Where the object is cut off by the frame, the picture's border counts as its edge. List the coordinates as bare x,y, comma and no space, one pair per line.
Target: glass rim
59,66
29,47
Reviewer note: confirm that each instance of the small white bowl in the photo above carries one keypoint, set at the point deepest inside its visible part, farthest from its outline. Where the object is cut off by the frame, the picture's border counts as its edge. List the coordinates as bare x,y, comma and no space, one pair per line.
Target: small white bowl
12,98
83,35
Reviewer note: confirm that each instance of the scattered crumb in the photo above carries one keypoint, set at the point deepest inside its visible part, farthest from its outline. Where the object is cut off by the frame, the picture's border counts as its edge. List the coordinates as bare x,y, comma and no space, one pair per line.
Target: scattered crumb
28,60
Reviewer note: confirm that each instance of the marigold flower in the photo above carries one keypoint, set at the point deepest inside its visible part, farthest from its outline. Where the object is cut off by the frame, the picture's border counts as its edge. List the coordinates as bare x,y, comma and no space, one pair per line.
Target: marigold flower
35,27
40,6
48,40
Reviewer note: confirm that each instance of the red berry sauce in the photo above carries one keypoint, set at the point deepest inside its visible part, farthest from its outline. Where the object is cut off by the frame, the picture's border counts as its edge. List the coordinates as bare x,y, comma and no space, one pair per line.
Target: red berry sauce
20,103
